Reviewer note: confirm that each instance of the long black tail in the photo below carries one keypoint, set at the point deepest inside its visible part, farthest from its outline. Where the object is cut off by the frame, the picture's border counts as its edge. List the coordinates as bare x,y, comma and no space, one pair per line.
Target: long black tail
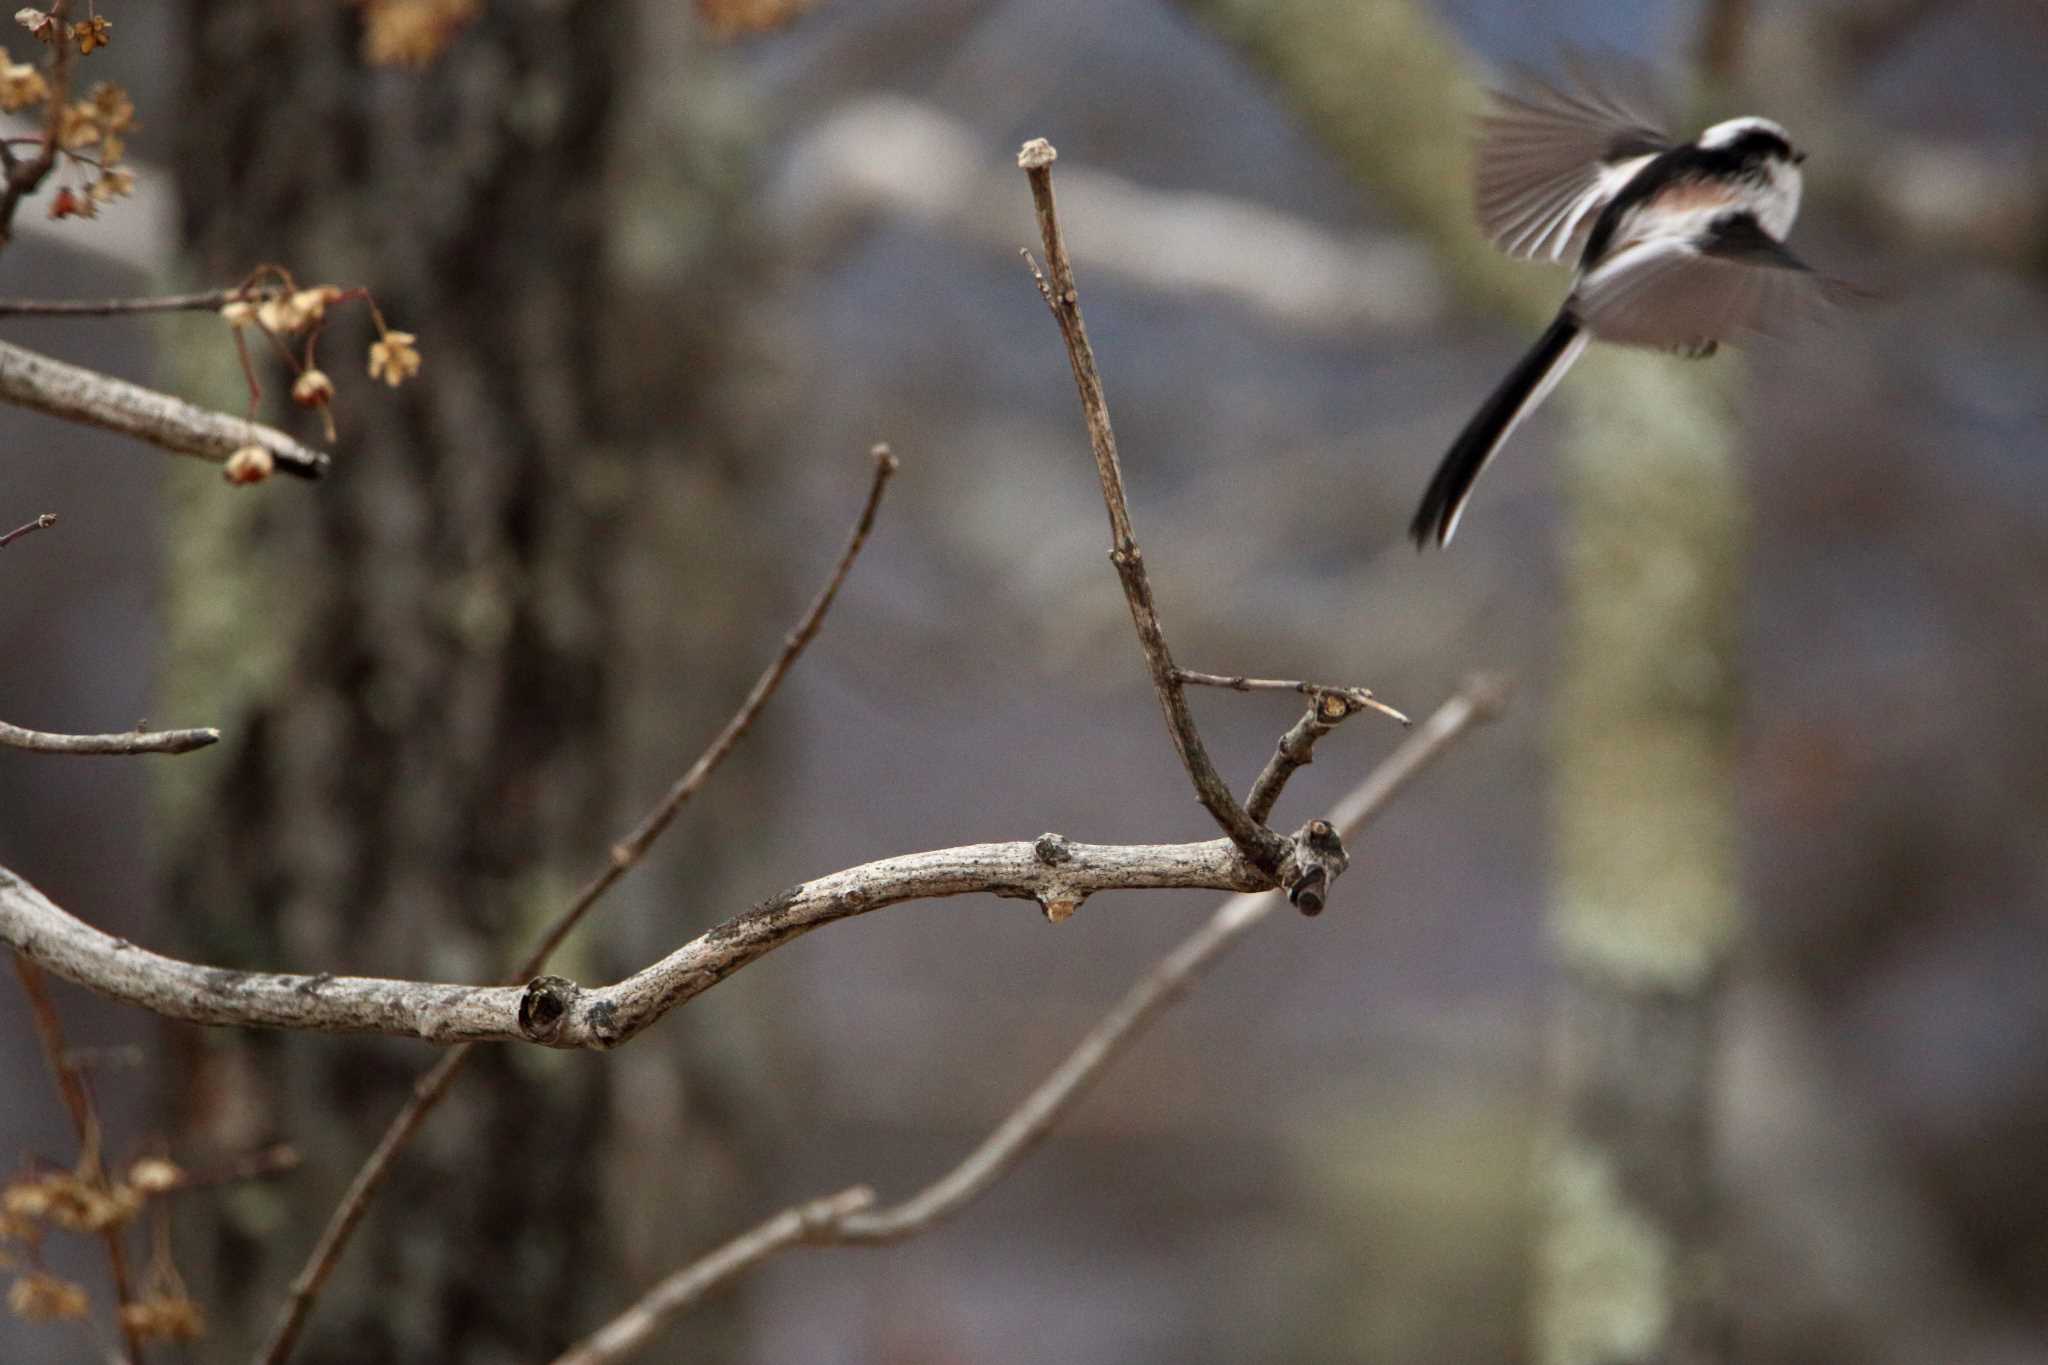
1517,396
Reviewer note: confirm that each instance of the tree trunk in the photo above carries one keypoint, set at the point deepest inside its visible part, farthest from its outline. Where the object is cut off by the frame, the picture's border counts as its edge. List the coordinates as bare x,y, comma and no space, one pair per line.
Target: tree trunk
425,667
1645,907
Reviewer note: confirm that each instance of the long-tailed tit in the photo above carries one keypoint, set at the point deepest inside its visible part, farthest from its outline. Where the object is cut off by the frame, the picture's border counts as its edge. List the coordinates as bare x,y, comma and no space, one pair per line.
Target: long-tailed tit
1679,246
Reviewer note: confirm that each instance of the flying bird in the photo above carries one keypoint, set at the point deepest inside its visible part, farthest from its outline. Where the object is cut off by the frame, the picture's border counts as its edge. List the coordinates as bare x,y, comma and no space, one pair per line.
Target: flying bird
1678,246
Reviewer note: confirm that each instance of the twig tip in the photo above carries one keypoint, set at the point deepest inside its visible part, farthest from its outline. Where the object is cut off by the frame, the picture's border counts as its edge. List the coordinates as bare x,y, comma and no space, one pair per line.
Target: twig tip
885,459
1036,155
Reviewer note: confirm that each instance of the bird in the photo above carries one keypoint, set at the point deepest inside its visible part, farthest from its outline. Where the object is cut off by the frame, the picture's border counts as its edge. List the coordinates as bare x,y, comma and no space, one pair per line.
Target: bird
1677,246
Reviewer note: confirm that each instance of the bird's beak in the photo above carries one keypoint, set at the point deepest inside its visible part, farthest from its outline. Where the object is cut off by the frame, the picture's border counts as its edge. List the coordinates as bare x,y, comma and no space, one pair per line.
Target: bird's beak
1798,157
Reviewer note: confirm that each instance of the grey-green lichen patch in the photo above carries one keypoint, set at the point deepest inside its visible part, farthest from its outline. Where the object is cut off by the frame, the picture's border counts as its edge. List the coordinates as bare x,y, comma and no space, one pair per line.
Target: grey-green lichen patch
226,603
1607,1271
1647,887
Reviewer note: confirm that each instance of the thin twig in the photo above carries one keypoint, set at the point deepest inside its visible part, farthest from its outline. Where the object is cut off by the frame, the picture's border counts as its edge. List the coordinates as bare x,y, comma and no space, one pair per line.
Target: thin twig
25,177
131,742
206,301
631,849
1261,846
1296,750
428,1091
627,1333
820,1223
1358,696
77,394
41,523
71,1088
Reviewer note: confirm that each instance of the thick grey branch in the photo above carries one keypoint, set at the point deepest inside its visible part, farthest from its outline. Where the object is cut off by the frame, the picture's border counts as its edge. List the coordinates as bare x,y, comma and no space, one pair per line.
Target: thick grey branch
559,1013
81,395
846,1219
428,1091
132,742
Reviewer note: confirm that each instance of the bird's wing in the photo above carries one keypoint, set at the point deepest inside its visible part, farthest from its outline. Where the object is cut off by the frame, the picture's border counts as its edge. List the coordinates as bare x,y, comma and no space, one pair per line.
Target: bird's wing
1552,155
1674,292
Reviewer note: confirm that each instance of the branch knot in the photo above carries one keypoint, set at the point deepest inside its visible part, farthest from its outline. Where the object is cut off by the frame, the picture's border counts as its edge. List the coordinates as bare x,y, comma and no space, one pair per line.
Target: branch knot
545,1007
1317,859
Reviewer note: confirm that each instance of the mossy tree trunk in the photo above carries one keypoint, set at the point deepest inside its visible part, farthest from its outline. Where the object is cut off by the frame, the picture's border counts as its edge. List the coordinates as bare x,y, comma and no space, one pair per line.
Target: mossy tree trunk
1645,905
422,666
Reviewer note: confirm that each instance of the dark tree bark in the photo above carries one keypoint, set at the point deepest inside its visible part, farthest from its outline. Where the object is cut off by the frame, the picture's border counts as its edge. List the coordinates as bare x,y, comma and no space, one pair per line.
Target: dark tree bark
424,666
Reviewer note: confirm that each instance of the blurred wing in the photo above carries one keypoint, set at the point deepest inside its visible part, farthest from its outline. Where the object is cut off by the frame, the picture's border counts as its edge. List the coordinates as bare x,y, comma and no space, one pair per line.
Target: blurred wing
1551,156
1677,292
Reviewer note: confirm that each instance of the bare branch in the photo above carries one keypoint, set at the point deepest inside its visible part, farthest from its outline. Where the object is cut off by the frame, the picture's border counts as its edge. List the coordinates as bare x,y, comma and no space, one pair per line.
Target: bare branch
41,523
81,395
77,1103
825,1223
1328,707
206,301
556,1012
1359,697
1261,846
627,1333
1295,751
132,742
428,1091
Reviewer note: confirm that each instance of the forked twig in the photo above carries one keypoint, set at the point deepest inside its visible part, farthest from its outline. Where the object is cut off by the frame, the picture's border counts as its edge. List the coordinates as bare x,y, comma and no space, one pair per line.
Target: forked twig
1359,697
849,1218
432,1087
1261,846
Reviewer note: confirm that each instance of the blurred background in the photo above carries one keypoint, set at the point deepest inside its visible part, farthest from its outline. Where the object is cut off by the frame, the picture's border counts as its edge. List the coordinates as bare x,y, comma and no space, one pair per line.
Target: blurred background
671,281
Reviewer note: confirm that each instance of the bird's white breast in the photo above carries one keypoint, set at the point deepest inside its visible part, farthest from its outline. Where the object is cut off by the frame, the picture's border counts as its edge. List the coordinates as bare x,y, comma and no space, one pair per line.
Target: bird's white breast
1777,199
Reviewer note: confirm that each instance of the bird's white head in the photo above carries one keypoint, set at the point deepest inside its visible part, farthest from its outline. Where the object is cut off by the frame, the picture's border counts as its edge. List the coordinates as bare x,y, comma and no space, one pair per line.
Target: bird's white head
1749,130
1767,153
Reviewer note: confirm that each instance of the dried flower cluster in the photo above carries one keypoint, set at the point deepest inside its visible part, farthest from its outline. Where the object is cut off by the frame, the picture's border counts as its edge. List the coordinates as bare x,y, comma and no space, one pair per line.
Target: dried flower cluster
289,317
90,33
88,136
86,1201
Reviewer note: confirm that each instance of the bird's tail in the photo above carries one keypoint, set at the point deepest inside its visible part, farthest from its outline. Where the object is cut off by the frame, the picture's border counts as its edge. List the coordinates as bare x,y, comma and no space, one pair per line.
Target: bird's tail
1526,386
